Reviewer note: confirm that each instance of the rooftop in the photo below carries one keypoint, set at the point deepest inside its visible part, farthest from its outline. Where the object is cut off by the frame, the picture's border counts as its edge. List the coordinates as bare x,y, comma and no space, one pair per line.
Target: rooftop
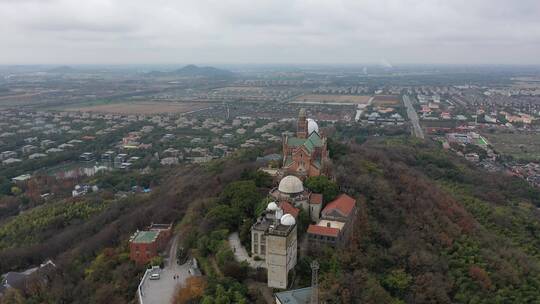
344,204
144,236
296,296
316,198
323,230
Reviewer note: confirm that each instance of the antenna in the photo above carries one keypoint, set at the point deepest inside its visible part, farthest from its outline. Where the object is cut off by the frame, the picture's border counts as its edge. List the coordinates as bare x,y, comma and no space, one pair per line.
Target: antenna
314,282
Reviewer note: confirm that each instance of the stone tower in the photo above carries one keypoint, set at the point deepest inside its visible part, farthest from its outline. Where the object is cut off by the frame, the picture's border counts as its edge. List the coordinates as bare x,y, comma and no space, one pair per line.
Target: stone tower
302,129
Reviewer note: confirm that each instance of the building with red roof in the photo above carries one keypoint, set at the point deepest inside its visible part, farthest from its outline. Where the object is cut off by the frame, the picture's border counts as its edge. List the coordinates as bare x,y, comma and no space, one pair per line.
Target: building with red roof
290,209
336,224
340,208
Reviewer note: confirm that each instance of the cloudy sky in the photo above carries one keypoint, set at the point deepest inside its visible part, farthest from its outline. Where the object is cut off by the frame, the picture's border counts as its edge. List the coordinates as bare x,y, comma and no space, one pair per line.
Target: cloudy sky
269,31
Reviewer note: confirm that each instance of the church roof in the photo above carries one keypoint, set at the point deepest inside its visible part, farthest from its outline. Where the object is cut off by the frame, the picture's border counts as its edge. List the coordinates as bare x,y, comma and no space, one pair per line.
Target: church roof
295,141
288,162
314,140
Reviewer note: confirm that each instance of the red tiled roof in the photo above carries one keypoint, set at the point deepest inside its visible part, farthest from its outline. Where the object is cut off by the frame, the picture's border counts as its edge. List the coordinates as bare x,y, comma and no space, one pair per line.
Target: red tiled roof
315,198
343,203
322,230
288,208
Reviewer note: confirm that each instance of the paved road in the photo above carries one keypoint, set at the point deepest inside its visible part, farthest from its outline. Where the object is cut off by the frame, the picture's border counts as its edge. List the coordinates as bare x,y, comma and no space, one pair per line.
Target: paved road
240,253
162,290
413,117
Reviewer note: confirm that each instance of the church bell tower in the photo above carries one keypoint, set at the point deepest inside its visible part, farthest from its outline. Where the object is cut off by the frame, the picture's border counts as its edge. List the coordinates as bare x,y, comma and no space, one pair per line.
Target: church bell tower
302,129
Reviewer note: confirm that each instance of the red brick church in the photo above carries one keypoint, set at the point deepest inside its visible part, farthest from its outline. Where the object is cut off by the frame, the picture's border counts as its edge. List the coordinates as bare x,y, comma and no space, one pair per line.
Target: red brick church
306,154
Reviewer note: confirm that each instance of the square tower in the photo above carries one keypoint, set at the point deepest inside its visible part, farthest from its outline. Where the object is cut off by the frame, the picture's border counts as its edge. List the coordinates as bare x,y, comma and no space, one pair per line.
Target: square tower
302,125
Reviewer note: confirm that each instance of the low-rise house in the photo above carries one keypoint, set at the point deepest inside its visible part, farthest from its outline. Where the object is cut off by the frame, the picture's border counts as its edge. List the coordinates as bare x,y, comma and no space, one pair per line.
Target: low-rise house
10,161
37,155
87,156
23,280
46,143
21,178
169,161
81,190
53,150
8,154
28,149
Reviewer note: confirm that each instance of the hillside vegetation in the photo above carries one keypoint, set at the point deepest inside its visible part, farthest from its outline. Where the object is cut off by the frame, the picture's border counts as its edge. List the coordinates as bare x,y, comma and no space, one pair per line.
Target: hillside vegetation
431,229
434,230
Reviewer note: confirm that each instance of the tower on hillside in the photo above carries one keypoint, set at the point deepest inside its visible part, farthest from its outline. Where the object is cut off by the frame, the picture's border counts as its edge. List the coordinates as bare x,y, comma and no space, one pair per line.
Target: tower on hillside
302,127
274,239
314,282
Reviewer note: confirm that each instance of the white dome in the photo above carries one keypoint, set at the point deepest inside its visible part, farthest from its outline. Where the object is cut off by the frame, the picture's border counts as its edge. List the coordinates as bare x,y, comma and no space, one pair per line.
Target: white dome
291,185
312,126
272,206
287,220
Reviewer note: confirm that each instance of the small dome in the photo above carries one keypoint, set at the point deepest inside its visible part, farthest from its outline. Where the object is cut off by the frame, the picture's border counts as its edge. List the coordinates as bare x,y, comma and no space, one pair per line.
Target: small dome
312,126
291,185
272,206
287,220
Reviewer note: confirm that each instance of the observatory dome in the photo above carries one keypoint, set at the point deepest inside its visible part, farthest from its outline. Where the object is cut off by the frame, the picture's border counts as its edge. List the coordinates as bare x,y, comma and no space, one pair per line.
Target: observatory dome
287,220
291,185
272,206
312,126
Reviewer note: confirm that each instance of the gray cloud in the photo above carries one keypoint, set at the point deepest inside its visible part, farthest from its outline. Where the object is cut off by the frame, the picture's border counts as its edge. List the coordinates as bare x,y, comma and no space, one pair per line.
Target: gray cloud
271,31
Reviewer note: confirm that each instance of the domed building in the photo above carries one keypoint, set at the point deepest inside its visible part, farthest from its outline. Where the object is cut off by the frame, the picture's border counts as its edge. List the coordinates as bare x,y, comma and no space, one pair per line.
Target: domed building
291,185
291,190
274,240
306,154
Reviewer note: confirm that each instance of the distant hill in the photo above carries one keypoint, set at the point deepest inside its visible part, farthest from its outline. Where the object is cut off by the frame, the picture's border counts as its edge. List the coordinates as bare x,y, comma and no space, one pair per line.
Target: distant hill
196,71
62,69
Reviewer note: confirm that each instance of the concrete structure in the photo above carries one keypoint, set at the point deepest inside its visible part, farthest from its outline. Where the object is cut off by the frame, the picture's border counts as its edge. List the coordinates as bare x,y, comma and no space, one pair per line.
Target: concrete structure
274,239
306,154
145,245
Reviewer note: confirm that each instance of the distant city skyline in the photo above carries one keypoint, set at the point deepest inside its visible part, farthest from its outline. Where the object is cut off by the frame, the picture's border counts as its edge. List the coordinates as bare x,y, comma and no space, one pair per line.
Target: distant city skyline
386,32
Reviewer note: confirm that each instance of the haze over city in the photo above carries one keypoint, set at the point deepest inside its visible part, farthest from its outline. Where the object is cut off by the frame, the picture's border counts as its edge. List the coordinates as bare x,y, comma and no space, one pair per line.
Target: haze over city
269,31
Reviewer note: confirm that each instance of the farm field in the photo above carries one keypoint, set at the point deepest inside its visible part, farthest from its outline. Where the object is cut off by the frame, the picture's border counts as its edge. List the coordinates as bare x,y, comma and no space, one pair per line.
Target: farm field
521,146
332,99
147,107
386,100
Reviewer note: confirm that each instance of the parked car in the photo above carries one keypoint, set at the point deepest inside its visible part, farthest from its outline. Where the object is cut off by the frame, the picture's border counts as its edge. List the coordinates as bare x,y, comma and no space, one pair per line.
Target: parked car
154,276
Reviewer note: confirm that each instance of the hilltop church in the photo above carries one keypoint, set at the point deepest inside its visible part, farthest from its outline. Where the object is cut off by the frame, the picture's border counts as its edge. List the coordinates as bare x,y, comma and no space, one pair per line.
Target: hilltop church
306,154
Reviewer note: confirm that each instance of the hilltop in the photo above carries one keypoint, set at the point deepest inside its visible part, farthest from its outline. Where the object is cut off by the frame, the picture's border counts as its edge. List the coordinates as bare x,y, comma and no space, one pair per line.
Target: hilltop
196,71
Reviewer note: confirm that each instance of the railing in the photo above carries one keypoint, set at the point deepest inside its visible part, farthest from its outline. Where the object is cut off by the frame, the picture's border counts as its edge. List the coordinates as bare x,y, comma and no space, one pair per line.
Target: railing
140,292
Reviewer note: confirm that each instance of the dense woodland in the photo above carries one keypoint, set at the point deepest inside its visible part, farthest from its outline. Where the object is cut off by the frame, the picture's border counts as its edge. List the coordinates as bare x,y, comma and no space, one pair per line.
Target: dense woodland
431,229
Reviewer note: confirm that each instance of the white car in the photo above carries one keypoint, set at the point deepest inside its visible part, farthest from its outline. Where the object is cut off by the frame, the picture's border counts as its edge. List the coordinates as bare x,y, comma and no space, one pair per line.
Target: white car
154,276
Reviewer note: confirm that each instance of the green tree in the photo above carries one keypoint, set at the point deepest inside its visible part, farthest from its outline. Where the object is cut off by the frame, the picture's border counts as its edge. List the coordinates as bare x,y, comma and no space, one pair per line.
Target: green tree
321,184
397,281
242,195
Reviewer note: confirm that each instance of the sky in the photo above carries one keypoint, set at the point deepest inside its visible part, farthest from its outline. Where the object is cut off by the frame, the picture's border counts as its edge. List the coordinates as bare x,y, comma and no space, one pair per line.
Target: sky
270,31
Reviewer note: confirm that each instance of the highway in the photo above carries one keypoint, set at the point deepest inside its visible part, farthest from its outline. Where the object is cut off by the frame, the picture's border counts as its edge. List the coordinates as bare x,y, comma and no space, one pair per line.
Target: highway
413,117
